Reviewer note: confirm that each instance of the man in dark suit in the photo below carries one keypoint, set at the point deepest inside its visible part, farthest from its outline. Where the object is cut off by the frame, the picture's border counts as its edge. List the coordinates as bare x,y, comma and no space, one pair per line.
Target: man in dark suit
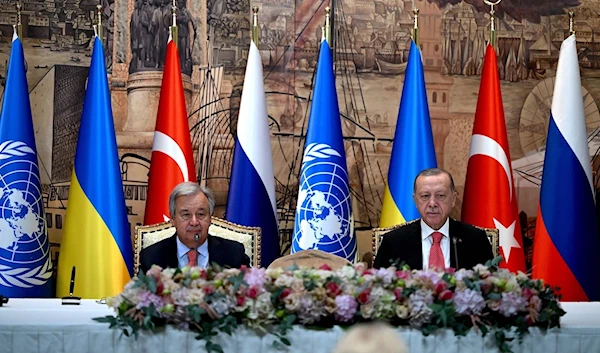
435,240
191,207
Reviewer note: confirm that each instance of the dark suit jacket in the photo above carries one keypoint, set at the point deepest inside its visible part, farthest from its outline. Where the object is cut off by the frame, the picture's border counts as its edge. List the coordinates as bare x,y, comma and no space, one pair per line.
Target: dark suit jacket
404,245
224,252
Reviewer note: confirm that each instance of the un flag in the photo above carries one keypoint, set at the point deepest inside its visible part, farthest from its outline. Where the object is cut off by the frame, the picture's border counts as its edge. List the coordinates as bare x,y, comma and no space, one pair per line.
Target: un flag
324,218
25,267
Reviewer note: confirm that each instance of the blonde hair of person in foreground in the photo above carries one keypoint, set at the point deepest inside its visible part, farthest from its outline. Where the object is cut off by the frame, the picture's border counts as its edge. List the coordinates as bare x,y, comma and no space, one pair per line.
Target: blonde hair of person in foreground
377,337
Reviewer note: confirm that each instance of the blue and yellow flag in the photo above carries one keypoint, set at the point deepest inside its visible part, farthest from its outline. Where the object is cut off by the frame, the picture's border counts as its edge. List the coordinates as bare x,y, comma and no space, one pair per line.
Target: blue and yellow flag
324,218
413,149
96,237
25,267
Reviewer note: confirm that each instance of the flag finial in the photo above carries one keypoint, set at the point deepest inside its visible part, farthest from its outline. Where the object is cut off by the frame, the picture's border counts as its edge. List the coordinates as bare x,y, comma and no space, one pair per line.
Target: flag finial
328,25
492,20
173,30
19,29
98,28
571,23
255,24
416,26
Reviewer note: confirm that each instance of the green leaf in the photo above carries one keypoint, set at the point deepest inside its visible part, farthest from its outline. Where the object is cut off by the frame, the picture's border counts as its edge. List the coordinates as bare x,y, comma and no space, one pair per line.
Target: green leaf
106,319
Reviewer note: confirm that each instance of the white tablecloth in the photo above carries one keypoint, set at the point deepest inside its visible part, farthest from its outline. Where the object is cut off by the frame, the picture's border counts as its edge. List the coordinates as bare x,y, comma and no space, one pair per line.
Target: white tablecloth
44,325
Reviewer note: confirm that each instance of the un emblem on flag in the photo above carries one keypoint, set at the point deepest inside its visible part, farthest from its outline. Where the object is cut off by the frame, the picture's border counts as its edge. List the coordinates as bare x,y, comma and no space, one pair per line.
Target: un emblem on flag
24,244
324,218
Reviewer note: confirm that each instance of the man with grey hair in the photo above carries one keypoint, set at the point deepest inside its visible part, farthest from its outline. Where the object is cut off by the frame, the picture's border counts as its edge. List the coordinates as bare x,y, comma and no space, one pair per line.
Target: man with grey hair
436,240
191,207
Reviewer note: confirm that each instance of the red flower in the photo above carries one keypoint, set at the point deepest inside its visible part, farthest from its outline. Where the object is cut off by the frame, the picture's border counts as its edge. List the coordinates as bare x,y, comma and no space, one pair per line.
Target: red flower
363,297
241,300
285,292
446,295
325,267
527,293
529,320
208,290
203,274
333,289
252,292
440,287
159,288
398,293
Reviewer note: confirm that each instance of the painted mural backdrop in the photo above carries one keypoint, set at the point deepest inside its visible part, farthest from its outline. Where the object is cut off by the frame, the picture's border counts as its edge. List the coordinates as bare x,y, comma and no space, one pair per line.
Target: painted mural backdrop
371,40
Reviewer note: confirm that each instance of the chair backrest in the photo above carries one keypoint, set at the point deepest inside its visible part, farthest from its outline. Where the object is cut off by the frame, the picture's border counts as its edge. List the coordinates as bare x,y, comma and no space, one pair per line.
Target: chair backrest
492,233
249,237
311,259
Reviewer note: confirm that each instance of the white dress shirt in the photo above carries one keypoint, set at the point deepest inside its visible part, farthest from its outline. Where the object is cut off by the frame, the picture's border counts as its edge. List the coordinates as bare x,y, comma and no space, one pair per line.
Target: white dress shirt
182,250
427,241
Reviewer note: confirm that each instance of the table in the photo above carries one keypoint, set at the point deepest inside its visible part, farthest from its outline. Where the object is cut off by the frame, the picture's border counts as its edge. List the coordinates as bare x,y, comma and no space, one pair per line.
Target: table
44,325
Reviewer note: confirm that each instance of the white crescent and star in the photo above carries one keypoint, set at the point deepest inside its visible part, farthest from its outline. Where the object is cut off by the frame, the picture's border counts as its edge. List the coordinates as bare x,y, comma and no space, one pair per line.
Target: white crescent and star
165,144
507,237
486,146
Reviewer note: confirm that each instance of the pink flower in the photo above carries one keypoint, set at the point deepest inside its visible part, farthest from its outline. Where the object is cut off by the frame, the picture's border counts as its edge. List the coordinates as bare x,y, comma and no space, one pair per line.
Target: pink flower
364,296
403,274
446,295
398,293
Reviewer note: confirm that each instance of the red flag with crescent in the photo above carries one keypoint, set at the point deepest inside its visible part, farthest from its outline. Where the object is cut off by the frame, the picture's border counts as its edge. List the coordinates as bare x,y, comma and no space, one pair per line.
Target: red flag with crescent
489,199
172,158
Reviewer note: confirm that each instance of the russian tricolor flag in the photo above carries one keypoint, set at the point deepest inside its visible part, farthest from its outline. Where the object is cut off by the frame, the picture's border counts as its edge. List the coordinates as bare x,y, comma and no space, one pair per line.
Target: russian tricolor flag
251,199
567,246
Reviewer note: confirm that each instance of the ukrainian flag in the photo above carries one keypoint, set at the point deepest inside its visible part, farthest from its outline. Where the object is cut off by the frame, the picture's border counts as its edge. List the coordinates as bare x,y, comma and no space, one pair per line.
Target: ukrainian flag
96,237
413,149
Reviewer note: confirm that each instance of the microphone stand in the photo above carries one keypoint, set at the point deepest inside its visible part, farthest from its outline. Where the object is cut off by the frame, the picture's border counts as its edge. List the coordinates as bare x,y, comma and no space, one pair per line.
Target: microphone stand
454,241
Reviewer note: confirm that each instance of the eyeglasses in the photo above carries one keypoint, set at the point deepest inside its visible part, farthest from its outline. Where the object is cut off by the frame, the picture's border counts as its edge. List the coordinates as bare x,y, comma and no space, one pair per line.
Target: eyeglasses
186,216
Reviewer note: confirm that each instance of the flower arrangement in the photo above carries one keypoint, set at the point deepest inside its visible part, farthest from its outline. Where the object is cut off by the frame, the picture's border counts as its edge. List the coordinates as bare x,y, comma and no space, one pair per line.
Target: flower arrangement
205,301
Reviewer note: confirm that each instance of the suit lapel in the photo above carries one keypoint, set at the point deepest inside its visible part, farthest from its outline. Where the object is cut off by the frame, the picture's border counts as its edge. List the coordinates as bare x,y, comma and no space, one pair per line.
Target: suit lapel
171,261
415,260
214,255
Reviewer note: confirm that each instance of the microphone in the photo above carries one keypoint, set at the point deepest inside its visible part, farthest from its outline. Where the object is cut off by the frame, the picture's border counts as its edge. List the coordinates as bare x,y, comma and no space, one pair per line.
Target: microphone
72,285
71,300
197,240
454,241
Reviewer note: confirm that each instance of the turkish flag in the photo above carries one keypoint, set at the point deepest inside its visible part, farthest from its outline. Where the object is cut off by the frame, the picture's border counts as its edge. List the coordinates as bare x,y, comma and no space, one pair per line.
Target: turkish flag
172,158
489,199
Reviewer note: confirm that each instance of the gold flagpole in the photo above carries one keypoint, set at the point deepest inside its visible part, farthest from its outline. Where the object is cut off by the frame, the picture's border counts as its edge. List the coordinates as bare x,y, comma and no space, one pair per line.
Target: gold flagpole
416,26
173,28
492,20
255,25
99,28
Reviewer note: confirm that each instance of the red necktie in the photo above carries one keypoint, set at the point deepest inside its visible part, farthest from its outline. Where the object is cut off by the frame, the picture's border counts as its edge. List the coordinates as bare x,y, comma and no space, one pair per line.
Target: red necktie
192,258
436,256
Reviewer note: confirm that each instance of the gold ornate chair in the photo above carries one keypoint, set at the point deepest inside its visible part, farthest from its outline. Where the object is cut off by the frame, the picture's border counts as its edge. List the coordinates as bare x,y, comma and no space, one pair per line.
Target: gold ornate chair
250,237
492,233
